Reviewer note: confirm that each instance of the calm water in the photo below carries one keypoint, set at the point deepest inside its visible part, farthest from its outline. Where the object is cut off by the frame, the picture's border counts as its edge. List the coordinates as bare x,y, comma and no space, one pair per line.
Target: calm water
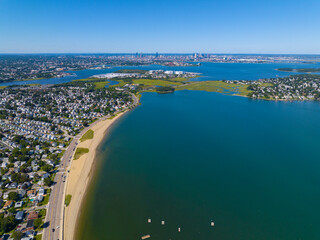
191,157
209,71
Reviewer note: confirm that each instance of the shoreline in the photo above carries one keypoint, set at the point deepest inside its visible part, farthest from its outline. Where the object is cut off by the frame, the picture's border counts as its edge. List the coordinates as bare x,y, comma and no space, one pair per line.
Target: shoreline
81,174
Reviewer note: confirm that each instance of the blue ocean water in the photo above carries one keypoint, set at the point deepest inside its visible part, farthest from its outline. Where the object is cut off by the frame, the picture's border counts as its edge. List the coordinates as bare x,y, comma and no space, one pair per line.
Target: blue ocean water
193,157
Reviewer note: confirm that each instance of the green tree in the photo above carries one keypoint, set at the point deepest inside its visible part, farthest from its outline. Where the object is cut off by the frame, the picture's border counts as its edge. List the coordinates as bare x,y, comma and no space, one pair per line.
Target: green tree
13,196
38,223
17,235
8,223
47,182
47,168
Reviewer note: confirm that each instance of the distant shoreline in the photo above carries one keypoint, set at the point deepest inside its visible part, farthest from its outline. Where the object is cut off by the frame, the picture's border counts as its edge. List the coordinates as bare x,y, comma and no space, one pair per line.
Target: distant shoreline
299,70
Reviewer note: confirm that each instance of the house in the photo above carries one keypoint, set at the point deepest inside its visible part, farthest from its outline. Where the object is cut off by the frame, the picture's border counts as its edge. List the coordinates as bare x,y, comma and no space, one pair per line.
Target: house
13,185
21,193
8,204
32,215
30,234
45,175
27,238
19,215
40,198
41,191
31,193
6,195
4,165
35,168
29,226
18,204
50,162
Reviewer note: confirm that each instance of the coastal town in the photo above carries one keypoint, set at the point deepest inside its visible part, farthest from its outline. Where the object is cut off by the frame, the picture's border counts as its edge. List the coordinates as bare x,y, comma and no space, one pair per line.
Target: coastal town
301,87
37,125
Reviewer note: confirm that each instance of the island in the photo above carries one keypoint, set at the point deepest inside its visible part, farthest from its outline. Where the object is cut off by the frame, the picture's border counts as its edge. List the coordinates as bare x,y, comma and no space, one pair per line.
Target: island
299,70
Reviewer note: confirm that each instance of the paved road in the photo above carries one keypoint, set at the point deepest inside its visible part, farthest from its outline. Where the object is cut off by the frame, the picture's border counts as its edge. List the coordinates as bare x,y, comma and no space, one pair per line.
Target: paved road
54,217
56,200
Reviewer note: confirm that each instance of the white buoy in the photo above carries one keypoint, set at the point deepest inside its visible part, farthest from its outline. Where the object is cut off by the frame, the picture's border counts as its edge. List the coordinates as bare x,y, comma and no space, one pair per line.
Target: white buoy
162,222
179,229
149,220
212,223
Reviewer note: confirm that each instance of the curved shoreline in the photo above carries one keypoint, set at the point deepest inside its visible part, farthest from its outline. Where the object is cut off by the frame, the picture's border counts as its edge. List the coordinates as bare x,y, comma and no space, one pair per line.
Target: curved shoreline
81,174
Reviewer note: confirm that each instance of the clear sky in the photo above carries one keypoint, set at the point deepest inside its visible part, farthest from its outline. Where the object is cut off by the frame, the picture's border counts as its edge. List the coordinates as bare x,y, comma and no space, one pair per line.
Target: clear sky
165,26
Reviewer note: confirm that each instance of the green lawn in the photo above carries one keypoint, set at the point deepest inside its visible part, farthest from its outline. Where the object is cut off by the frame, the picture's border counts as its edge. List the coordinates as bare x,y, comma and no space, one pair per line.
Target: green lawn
216,86
38,237
42,213
88,135
45,200
153,82
79,152
156,82
2,87
99,85
67,200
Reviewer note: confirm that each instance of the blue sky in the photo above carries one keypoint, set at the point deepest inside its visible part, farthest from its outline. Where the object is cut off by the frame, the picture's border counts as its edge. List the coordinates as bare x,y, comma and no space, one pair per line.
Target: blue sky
166,26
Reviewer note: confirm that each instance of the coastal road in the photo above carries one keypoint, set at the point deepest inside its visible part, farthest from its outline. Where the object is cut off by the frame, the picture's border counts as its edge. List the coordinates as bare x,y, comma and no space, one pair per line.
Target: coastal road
55,210
54,214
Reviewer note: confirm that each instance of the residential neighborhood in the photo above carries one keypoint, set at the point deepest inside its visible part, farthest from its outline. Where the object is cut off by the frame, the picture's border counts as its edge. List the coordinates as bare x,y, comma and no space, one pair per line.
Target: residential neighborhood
37,124
300,87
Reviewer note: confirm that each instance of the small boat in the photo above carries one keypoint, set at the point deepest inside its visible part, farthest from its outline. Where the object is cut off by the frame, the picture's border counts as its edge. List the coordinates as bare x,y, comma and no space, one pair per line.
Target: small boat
145,237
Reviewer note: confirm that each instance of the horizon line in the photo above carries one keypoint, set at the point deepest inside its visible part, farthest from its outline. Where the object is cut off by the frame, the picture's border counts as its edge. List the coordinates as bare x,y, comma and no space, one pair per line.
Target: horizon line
168,53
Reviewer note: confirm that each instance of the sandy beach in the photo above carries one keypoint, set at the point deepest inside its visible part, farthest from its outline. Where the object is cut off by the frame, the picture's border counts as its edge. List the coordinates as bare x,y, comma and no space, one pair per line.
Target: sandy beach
80,176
